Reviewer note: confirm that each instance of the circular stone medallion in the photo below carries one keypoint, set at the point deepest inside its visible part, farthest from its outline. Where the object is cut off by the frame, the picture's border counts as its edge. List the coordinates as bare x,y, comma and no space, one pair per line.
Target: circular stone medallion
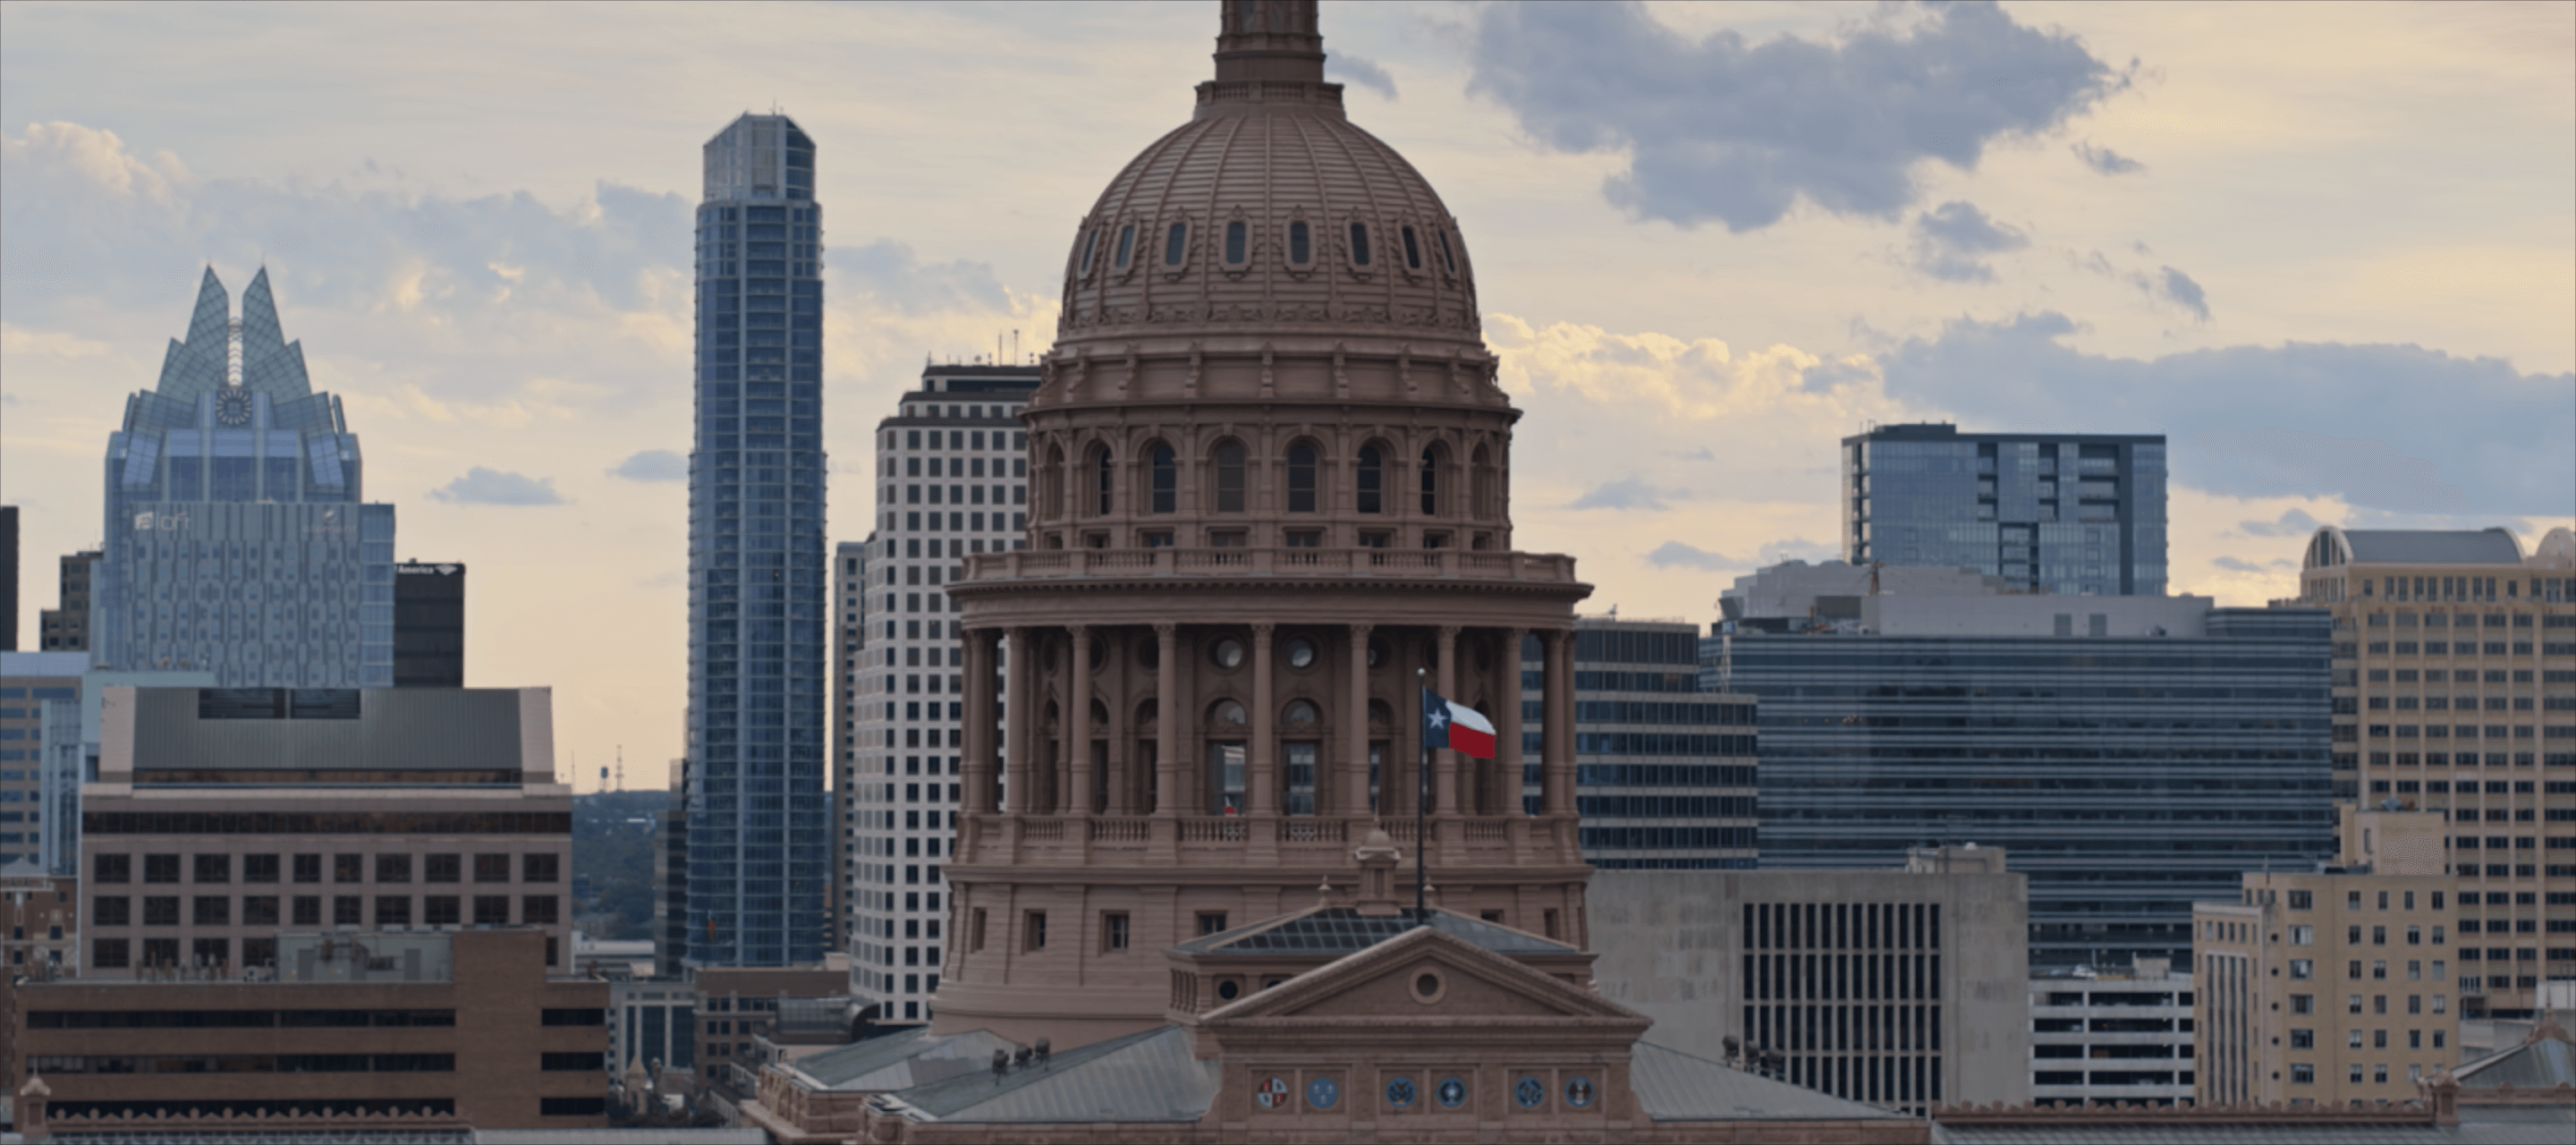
1322,1093
1452,1092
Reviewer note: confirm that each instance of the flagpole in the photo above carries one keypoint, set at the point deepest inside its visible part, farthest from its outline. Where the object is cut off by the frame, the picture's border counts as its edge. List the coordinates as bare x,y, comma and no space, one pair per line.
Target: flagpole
1421,798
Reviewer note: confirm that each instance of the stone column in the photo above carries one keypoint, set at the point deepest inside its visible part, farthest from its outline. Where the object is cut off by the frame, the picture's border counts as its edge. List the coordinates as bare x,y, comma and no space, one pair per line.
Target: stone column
977,769
1507,757
1355,720
1444,762
1167,720
1557,760
1075,798
1122,719
1019,737
1261,796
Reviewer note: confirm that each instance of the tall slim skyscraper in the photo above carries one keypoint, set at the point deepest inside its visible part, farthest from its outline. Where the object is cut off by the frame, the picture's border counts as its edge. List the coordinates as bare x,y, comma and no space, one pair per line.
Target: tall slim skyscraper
952,480
760,848
236,537
2073,514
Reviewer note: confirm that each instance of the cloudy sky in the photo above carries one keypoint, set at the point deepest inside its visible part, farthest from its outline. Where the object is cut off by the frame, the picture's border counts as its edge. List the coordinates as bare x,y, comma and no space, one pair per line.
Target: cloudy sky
2328,250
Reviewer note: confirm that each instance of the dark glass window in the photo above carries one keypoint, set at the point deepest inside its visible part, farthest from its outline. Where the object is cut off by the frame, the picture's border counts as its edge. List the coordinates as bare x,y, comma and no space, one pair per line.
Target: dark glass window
1372,480
442,868
442,910
308,868
1167,477
160,868
259,868
1126,244
1412,249
393,868
540,868
1431,482
1088,242
1229,477
1103,474
1301,478
113,868
1234,253
1175,243
491,910
1300,246
1359,244
1446,259
491,868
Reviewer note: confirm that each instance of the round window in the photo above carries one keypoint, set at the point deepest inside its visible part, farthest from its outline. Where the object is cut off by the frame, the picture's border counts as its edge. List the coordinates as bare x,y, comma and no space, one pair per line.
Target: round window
1426,986
1228,653
1229,989
1301,653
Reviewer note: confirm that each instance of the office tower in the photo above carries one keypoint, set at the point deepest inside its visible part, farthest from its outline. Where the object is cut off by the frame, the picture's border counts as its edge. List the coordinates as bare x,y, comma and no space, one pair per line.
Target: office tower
2073,514
389,1034
8,578
429,624
952,481
1269,498
237,540
66,626
760,847
2333,985
225,816
2132,755
1663,772
1902,986
2455,691
49,746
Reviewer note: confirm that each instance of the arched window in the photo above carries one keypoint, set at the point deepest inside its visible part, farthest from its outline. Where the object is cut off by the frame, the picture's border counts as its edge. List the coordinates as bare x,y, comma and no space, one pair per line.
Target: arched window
1372,484
1301,714
1126,244
1301,478
1234,244
1447,259
1301,247
1088,242
1176,242
1412,250
1167,479
1051,483
1102,473
1229,477
1431,459
1359,244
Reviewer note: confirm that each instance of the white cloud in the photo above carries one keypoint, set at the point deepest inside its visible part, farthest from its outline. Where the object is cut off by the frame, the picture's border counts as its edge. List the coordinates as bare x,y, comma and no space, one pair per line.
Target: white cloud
482,486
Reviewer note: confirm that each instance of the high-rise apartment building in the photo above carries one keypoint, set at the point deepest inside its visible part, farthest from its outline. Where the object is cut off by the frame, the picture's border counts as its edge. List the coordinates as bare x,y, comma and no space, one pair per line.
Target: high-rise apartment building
952,480
849,604
65,627
429,624
2455,691
760,847
237,539
2132,754
2074,514
2334,984
1664,772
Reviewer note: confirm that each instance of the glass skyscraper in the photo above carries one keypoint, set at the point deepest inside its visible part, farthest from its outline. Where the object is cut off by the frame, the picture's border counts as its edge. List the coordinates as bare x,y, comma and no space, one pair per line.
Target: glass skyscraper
2072,514
236,541
2130,756
760,842
1664,771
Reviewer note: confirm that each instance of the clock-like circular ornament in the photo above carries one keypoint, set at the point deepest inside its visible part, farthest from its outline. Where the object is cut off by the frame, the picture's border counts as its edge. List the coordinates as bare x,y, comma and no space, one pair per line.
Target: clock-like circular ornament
232,406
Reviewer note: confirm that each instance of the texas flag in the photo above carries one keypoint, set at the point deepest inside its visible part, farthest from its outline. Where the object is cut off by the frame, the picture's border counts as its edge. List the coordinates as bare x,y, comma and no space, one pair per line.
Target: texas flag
1456,727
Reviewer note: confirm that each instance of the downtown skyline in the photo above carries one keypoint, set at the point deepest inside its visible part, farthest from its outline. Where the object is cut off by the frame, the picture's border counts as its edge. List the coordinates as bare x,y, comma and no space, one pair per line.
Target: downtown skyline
2177,245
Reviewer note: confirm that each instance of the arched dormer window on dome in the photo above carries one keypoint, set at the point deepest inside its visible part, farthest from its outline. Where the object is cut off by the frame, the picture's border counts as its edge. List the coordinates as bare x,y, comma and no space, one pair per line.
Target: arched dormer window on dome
1176,247
1448,259
1238,244
1302,466
1301,244
1090,245
1412,249
1166,479
1361,255
1126,253
1372,480
1229,476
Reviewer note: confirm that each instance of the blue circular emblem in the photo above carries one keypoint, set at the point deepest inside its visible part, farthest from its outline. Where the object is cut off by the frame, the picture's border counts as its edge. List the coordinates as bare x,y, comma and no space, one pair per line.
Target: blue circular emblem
1452,1092
1322,1093
1400,1093
1578,1093
1530,1092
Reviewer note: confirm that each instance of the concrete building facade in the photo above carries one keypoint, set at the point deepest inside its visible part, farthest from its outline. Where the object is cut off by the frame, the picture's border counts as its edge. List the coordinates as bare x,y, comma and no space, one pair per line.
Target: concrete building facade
952,484
1901,988
2116,1036
2455,691
223,817
2332,985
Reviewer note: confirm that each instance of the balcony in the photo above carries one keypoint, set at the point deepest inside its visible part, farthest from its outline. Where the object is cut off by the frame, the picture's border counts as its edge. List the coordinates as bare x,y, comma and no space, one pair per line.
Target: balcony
1222,840
1232,563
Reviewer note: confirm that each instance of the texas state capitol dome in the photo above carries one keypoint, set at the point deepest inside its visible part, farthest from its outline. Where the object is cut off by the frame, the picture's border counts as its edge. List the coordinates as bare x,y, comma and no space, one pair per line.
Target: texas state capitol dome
1269,482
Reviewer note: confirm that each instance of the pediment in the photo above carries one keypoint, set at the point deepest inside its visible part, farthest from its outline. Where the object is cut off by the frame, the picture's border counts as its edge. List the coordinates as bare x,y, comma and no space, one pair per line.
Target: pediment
1424,974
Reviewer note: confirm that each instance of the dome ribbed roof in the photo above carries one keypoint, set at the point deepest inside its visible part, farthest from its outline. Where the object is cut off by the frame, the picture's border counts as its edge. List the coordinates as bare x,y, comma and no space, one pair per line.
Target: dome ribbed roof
1269,212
